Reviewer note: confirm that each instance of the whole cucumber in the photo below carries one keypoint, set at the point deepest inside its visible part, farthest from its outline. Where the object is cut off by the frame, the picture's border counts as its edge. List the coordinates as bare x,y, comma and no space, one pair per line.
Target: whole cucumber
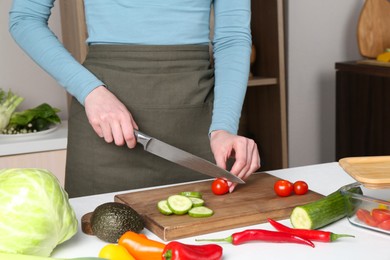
322,212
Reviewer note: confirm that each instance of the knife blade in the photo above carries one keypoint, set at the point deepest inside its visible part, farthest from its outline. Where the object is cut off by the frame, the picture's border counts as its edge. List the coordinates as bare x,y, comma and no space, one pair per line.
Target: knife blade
183,158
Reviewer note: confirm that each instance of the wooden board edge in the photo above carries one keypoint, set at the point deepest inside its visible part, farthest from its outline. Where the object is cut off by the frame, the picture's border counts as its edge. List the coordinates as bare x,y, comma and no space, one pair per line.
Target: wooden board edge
351,166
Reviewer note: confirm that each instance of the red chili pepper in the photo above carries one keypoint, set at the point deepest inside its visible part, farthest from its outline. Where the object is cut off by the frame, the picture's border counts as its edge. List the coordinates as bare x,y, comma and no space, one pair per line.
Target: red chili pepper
178,251
261,235
315,235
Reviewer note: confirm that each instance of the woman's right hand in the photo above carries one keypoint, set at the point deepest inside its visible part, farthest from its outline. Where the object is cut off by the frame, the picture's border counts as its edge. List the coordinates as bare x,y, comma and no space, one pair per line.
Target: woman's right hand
109,118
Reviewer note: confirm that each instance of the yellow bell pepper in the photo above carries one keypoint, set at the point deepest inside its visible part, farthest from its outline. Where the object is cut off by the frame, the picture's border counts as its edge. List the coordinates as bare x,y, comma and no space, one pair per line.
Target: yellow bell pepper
381,206
115,252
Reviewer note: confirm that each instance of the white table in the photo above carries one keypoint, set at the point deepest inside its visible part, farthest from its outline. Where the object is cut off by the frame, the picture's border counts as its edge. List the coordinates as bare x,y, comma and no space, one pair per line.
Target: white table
322,178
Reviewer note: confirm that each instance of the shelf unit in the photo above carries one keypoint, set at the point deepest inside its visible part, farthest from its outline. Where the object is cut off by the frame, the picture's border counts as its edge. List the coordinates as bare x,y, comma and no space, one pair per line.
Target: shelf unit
264,116
264,113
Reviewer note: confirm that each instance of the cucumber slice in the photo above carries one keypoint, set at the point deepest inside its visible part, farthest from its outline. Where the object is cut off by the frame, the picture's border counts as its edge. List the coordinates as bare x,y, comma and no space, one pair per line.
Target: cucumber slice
179,204
192,194
197,202
200,212
163,207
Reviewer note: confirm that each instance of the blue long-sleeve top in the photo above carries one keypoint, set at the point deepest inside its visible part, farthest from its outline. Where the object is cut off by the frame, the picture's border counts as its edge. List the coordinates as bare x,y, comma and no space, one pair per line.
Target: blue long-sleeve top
146,22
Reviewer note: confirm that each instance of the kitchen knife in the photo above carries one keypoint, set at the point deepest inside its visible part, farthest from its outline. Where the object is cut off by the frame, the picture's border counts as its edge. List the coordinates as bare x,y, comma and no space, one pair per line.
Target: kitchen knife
183,158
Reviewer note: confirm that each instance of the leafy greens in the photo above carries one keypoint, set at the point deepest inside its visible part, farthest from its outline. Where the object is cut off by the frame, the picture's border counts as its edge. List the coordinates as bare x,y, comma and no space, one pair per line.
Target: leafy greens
8,103
35,119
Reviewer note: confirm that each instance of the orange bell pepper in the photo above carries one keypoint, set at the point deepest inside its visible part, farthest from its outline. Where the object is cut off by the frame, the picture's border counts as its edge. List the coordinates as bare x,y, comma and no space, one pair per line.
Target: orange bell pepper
140,247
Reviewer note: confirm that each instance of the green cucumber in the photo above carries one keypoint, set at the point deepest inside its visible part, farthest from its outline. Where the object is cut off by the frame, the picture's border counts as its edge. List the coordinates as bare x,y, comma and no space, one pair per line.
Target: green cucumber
200,212
164,208
179,204
320,213
196,202
192,194
185,202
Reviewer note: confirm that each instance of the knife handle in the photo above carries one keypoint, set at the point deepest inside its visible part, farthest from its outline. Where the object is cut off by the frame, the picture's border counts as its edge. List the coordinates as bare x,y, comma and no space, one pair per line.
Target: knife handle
142,138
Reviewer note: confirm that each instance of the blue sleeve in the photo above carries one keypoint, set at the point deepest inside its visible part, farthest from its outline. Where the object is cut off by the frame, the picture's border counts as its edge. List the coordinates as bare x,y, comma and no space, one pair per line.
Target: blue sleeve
28,25
232,49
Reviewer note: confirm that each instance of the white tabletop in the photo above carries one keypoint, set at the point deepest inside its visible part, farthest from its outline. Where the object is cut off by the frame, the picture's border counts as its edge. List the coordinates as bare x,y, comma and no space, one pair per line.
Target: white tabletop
322,178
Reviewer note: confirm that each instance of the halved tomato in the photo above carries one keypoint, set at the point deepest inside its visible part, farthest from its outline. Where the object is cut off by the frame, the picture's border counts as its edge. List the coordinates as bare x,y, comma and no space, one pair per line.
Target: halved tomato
385,225
365,216
380,214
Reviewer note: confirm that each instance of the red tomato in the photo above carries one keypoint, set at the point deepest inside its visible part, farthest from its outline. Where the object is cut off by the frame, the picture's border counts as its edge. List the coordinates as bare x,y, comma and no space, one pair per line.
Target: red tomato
300,187
380,215
385,225
362,214
283,188
220,187
365,216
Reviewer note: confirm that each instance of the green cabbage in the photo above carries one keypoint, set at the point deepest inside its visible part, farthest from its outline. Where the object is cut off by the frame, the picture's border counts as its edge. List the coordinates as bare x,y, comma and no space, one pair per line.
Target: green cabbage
35,214
5,256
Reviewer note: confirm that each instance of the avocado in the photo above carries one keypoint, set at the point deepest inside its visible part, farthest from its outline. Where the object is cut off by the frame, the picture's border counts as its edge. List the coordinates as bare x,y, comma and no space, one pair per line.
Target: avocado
111,220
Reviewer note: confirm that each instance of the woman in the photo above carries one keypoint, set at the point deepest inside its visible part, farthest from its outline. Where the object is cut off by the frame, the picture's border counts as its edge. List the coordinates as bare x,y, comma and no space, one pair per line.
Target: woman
148,68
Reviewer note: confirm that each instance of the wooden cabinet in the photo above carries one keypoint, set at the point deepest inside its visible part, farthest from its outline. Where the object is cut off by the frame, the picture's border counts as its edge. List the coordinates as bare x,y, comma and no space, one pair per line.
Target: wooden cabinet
362,110
53,161
46,150
264,115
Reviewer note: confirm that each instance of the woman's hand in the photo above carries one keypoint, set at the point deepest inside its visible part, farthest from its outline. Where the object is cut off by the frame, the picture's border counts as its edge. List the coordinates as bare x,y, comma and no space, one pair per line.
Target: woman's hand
109,118
225,145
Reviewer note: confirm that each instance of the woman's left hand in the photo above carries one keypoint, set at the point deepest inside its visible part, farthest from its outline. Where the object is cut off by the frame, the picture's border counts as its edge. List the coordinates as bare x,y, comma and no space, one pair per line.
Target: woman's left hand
225,145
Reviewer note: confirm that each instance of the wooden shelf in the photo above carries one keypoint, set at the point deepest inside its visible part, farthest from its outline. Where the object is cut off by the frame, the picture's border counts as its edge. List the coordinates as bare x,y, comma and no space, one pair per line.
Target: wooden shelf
264,116
258,81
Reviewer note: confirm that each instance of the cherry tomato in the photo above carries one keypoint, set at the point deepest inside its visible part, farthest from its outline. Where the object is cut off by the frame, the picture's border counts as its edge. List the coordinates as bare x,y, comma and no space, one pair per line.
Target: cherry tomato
380,215
365,216
283,188
385,225
220,187
300,187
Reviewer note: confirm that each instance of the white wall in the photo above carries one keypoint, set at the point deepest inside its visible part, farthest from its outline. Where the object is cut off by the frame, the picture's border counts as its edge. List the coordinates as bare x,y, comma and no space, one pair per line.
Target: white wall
20,74
320,33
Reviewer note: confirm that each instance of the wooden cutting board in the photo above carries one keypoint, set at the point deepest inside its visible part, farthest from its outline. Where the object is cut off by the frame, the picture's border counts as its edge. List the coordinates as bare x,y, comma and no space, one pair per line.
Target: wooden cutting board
249,204
374,28
371,171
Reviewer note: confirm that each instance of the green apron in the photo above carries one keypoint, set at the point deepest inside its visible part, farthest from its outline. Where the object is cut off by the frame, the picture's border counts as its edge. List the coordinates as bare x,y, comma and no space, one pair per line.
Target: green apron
169,92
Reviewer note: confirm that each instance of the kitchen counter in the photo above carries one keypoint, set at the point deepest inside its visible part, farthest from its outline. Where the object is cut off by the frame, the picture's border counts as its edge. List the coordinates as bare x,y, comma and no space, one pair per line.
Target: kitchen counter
322,178
32,143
